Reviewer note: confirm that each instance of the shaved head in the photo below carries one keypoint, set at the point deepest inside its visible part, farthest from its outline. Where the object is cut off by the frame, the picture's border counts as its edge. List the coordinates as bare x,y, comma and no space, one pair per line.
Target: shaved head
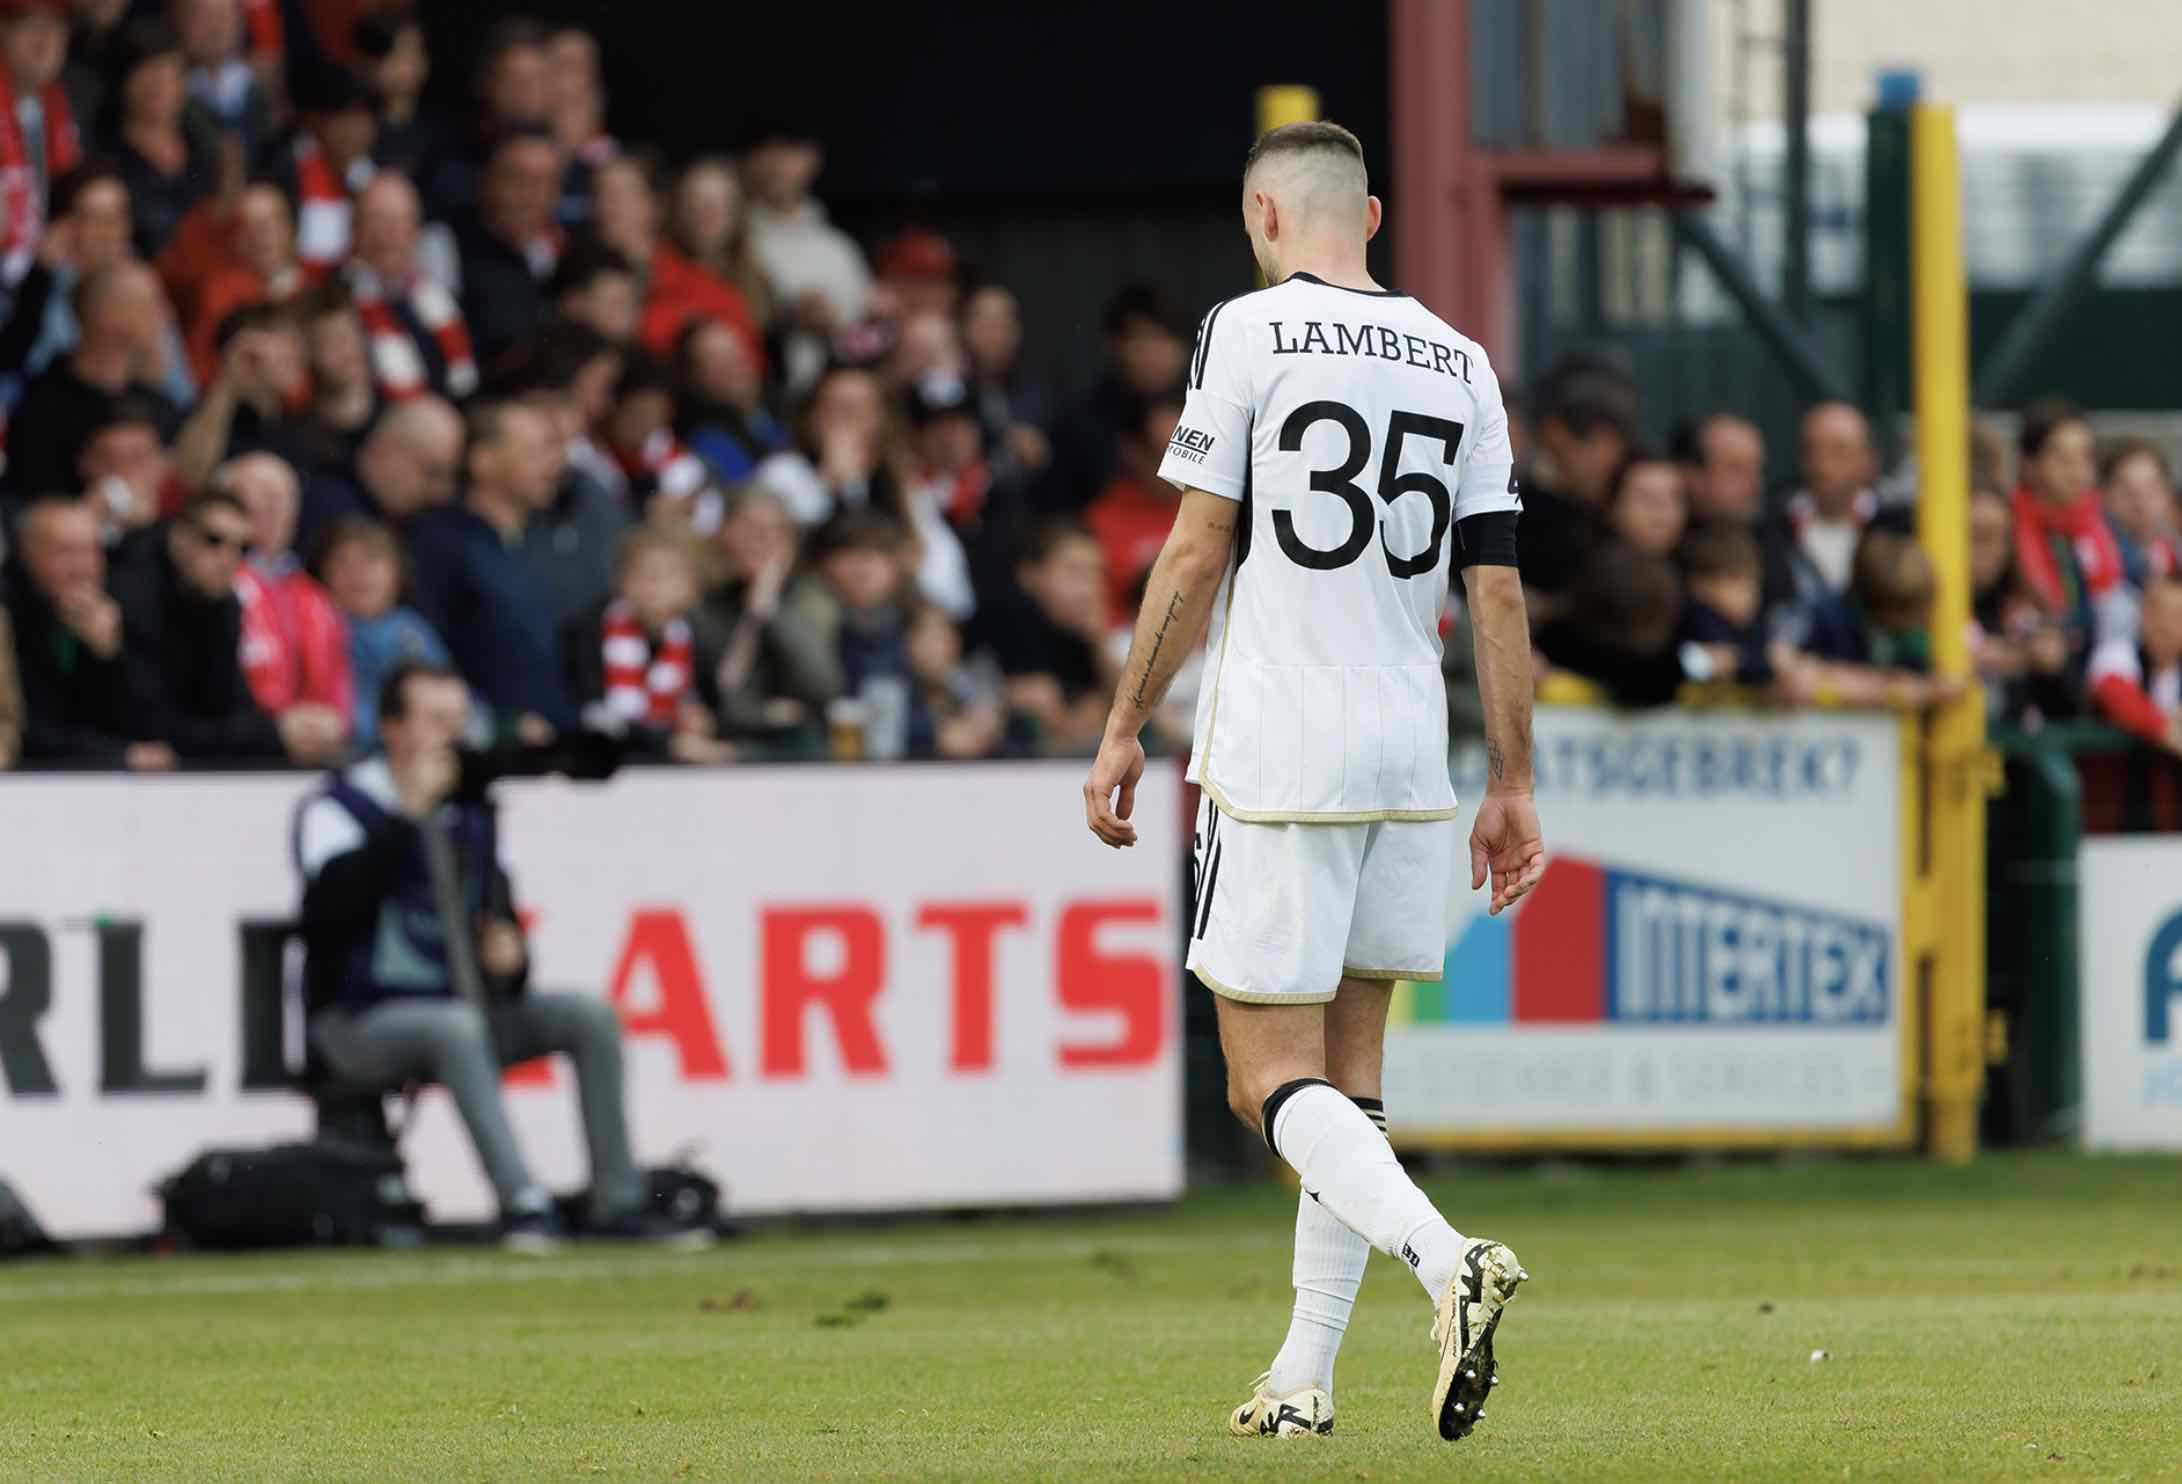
1305,185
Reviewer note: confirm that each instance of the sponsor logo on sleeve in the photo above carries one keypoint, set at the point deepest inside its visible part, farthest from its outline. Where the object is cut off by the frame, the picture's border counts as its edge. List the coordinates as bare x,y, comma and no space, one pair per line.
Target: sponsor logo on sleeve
1191,445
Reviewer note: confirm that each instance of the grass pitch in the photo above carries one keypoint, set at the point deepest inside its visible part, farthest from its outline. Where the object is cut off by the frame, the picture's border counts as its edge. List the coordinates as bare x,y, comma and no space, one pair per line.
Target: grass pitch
2019,1319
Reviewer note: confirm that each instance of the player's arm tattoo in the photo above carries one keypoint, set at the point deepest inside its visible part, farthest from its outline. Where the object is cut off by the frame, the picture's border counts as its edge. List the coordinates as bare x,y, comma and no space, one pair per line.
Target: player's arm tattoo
1496,761
1143,698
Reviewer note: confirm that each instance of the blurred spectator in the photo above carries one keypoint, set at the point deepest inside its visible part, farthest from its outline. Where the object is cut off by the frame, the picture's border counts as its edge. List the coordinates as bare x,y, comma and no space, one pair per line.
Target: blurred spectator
862,600
2065,552
1811,549
259,400
919,267
95,45
1015,407
1619,626
1586,432
568,376
410,462
1723,583
929,345
778,664
673,289
88,231
2021,655
126,474
967,717
1051,645
645,659
416,965
721,402
68,644
1645,507
945,488
596,286
169,154
260,267
816,272
651,459
708,223
181,626
1133,514
478,588
847,446
38,139
419,340
2137,683
295,649
344,400
1723,468
1146,350
1881,618
221,81
123,319
577,104
511,246
390,47
360,564
329,162
2140,509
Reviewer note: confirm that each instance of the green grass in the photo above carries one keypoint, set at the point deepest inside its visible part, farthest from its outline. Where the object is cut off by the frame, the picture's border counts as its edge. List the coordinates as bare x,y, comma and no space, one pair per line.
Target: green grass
2019,1319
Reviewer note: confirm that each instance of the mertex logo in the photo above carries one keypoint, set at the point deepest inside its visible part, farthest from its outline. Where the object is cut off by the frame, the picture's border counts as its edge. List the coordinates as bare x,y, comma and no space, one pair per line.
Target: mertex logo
1593,944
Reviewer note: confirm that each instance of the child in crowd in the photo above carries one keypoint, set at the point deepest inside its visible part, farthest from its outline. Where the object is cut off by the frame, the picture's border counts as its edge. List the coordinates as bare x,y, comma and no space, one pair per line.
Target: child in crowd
967,717
1645,508
1872,646
862,599
360,562
2137,683
1723,582
643,659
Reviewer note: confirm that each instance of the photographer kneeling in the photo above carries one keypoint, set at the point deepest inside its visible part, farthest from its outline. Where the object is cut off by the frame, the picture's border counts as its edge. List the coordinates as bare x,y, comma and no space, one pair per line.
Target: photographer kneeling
417,968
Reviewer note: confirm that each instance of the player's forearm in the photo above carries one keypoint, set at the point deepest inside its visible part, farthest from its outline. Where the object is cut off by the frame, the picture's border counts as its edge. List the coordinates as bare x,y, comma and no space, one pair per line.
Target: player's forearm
1502,640
1177,601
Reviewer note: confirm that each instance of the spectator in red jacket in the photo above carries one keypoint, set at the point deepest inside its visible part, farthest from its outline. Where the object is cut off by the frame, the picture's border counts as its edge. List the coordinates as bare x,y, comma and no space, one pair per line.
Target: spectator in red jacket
708,223
330,161
259,266
295,648
38,140
2065,552
676,290
2136,683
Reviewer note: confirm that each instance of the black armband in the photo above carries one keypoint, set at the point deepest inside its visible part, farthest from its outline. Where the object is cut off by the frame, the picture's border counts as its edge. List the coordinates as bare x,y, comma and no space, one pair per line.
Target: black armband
1486,540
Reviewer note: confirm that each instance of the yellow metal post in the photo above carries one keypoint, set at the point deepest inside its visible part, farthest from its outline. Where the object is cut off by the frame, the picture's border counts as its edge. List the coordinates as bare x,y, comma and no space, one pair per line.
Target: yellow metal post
1953,858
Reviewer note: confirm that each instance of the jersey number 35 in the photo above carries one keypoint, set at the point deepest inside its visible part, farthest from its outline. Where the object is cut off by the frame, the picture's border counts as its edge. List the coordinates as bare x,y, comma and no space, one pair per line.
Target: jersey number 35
1340,482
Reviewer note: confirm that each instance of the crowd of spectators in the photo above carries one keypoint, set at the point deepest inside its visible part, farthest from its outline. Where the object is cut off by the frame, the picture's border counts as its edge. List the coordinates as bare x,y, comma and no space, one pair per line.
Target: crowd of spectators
1651,571
303,380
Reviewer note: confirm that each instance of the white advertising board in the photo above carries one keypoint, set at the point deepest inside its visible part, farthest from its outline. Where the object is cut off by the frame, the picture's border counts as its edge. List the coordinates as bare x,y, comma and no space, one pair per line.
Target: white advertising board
844,989
2129,895
1713,956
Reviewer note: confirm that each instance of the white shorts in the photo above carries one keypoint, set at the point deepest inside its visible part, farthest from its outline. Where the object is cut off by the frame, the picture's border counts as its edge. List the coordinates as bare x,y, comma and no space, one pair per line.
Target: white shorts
1282,912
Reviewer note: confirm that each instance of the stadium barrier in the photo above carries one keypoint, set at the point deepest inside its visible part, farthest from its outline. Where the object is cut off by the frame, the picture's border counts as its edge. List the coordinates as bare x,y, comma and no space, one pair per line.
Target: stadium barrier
849,989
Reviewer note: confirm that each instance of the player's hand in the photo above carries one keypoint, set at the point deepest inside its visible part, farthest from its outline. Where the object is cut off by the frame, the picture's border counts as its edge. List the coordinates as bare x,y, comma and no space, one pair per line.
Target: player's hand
1505,844
1119,765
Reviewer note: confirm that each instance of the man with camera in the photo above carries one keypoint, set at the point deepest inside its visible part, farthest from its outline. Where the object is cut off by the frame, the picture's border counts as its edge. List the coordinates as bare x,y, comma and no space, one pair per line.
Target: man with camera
416,966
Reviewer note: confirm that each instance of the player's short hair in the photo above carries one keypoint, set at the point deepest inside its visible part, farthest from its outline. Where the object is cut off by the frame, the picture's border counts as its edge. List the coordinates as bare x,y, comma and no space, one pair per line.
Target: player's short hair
1720,548
2041,420
1311,137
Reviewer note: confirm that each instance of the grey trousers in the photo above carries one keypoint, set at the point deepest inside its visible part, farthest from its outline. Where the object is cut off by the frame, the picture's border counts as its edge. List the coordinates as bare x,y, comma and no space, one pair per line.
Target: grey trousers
447,1041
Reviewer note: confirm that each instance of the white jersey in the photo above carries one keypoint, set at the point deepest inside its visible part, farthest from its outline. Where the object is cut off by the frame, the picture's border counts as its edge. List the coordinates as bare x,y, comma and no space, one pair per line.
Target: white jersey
1355,428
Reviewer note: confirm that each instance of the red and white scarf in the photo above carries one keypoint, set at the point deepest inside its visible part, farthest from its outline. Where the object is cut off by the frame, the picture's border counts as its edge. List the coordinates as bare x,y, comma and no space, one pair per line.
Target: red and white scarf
2042,532
325,206
22,203
396,363
646,680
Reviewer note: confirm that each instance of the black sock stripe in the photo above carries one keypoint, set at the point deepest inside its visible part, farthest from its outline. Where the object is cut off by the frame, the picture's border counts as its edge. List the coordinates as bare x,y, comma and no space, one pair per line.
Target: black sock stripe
1277,1101
1374,1109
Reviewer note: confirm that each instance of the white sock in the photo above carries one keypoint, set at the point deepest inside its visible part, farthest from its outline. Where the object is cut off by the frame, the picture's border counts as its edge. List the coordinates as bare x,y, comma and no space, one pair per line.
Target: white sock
1330,1261
1351,1168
